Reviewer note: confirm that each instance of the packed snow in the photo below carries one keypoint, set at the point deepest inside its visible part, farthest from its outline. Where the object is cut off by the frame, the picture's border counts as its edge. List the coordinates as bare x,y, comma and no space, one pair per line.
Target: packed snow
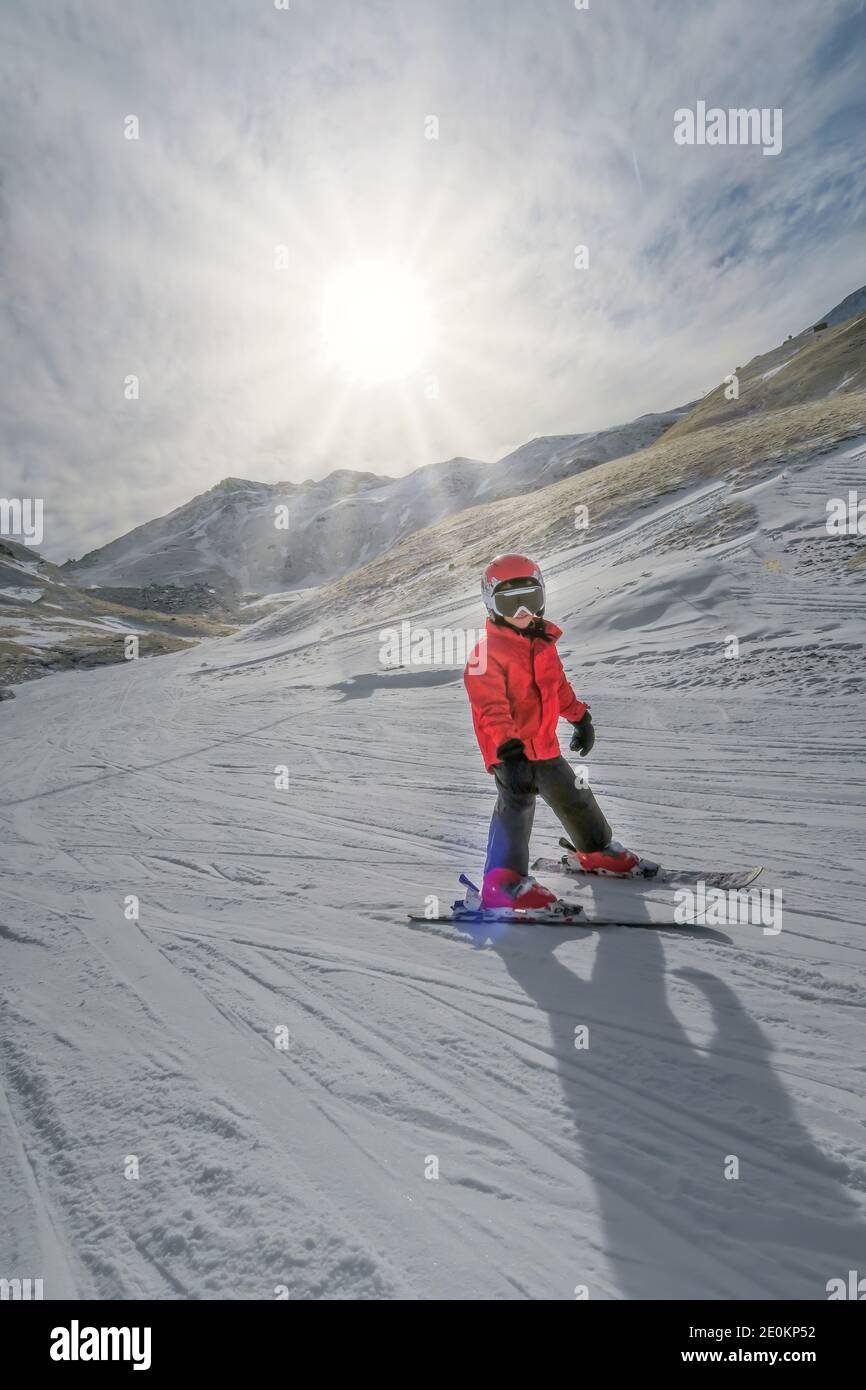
323,1099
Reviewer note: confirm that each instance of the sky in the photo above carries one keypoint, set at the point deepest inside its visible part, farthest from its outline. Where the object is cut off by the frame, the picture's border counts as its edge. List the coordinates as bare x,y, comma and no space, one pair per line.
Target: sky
309,128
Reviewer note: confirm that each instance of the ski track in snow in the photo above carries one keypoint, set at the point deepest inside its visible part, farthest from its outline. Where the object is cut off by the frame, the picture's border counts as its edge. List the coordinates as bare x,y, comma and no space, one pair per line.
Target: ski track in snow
264,909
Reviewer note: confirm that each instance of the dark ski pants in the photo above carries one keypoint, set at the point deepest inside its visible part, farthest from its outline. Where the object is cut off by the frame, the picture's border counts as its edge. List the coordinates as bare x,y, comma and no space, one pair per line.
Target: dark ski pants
511,826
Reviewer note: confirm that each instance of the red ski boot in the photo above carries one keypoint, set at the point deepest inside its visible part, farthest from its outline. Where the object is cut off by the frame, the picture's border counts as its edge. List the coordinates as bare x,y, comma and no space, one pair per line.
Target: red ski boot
506,888
613,859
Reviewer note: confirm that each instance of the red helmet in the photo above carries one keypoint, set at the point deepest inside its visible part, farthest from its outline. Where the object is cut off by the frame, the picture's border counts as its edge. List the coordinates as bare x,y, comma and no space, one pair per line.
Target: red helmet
511,583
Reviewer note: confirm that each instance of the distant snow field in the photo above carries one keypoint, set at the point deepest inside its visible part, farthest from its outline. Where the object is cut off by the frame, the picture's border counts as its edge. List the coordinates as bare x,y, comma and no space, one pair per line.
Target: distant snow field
21,595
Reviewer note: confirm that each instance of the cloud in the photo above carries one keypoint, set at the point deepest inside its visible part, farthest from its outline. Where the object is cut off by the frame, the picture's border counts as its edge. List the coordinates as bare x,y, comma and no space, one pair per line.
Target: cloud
306,128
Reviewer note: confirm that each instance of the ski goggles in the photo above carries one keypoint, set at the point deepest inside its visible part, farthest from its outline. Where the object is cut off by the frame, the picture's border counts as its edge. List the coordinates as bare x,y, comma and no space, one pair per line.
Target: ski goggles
526,595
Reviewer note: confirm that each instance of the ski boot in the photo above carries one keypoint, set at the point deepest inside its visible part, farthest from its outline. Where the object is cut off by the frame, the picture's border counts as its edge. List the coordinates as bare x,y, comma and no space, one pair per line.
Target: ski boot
506,896
612,860
506,888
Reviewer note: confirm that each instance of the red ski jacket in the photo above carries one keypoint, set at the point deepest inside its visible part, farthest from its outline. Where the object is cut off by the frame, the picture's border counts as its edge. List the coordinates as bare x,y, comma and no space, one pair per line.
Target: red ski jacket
518,689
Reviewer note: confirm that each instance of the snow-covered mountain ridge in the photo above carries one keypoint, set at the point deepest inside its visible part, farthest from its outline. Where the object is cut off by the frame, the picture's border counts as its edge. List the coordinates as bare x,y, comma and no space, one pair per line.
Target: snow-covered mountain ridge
228,537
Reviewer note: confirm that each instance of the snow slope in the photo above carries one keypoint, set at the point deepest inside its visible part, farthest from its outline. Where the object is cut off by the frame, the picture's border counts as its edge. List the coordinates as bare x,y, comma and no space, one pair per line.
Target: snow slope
265,909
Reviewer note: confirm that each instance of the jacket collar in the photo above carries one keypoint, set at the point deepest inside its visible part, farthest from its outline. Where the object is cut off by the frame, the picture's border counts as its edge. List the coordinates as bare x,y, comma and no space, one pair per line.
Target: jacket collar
502,630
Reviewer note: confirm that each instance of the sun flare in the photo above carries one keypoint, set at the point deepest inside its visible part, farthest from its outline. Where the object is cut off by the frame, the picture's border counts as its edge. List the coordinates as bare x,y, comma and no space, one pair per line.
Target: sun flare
376,322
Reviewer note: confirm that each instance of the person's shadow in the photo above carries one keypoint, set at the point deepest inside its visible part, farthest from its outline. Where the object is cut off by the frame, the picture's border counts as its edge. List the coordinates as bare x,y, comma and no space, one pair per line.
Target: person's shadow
658,1120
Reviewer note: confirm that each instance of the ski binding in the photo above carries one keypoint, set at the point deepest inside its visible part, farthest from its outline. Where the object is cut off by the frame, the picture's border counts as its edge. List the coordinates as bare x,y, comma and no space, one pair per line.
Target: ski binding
468,910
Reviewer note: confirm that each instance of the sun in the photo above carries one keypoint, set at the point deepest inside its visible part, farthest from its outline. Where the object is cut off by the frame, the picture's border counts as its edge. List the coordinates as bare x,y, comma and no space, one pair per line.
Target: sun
376,324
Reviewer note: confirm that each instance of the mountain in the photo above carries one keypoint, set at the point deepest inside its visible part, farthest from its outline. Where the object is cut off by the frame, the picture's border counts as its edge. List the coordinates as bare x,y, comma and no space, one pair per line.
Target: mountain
360,542
227,538
849,308
714,452
827,357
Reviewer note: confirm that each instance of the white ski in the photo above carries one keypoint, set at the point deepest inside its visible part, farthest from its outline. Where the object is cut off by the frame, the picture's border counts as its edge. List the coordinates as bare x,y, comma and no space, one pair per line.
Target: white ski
646,872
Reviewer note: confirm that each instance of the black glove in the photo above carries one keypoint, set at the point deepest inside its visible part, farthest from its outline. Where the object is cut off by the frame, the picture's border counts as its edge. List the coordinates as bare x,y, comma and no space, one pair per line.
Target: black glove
517,769
584,735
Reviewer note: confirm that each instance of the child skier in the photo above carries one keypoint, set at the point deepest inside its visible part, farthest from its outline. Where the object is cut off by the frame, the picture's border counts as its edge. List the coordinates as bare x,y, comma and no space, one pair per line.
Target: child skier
518,692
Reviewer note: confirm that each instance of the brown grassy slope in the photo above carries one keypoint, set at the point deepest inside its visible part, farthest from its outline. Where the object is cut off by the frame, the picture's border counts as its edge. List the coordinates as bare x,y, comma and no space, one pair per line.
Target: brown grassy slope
19,663
85,647
819,364
153,619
